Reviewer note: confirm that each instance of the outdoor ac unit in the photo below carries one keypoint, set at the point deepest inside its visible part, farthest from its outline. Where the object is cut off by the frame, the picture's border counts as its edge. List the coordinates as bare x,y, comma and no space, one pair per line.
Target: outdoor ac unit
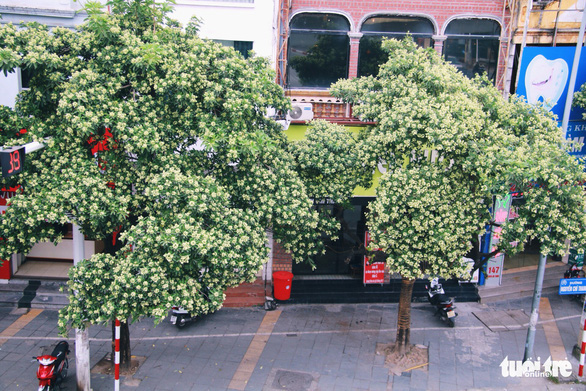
278,117
300,112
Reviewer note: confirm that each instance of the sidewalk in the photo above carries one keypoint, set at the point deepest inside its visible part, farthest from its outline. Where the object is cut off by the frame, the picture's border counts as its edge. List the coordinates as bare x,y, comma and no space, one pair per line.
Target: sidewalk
303,347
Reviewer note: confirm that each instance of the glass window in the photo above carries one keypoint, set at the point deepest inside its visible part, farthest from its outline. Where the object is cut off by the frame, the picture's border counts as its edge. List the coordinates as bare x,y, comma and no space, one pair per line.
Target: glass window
371,55
25,78
473,46
242,47
318,50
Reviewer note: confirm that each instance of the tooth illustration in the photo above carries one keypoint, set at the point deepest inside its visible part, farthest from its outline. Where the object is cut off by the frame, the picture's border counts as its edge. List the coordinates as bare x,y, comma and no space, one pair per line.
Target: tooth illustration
545,80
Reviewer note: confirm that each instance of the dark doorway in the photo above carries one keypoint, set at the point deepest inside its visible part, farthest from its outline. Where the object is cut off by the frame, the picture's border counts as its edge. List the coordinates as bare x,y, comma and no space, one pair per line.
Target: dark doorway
344,252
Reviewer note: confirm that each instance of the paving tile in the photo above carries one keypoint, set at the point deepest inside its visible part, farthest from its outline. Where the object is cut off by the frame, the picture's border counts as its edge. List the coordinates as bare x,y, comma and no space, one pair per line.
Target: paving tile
419,378
377,386
401,382
361,384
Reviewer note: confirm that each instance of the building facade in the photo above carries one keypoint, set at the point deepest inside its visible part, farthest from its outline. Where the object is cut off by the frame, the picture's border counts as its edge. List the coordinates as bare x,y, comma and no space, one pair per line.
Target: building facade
470,34
323,41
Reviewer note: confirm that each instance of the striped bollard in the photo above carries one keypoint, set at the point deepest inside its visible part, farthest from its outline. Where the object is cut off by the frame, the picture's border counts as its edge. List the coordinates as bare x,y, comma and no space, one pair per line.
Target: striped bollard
582,352
117,357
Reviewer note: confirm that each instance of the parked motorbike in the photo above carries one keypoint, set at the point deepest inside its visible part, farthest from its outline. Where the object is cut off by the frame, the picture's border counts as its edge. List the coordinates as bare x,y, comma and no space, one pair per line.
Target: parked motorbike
444,305
53,367
181,317
575,270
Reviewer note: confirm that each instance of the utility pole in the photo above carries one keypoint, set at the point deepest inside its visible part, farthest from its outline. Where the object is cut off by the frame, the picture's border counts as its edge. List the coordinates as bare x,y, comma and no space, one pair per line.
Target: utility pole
534,317
529,343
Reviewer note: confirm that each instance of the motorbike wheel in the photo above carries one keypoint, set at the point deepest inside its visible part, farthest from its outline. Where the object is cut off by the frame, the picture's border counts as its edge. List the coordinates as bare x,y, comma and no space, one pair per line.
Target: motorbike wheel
451,322
180,322
65,369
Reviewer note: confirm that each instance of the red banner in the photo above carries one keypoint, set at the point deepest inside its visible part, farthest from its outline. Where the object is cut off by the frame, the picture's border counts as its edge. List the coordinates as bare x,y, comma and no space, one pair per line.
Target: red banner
374,273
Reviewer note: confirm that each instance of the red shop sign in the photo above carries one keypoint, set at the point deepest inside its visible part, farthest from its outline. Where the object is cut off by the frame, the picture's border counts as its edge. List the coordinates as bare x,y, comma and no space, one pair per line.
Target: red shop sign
374,273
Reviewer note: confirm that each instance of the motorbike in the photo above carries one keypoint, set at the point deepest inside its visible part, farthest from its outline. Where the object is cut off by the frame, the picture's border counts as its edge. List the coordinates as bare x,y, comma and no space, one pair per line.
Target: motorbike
444,305
575,270
53,367
181,317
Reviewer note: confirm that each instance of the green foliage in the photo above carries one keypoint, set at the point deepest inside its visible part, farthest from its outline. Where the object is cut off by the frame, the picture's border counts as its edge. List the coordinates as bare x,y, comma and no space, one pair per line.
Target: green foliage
422,219
580,98
190,245
328,161
163,135
452,144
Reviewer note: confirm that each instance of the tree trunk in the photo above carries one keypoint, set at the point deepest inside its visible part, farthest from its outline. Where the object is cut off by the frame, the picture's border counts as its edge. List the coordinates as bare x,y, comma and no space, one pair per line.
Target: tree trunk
402,345
125,354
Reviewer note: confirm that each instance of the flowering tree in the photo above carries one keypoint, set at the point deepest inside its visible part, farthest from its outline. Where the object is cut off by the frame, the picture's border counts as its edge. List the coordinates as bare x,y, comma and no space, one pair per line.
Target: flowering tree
451,144
157,134
580,98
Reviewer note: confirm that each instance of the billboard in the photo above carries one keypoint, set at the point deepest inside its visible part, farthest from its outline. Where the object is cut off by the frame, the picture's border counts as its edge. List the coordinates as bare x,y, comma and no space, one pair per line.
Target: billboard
544,79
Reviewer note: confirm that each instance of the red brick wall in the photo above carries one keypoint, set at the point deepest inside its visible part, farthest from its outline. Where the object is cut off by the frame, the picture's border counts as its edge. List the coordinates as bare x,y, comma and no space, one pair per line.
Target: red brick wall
440,10
282,260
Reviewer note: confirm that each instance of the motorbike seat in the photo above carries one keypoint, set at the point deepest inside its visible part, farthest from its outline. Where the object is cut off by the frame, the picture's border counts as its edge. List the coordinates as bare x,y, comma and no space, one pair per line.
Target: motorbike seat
60,349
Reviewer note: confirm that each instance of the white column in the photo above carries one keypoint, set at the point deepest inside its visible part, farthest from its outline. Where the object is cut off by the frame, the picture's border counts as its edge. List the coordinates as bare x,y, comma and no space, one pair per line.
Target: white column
82,342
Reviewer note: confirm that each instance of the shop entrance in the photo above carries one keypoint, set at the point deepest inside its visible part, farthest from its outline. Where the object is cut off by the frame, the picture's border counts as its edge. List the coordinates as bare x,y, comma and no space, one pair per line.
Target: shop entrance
345,251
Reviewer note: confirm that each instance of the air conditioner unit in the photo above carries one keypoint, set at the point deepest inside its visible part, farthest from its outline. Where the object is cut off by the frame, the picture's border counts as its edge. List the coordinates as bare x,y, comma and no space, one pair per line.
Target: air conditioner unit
281,119
300,112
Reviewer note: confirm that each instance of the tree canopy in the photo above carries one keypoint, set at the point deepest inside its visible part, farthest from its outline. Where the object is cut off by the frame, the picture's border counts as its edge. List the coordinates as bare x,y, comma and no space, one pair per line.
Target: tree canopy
451,145
163,136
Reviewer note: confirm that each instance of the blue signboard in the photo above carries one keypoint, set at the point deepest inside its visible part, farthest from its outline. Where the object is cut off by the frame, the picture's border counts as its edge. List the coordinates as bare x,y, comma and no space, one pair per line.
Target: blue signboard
577,132
572,286
544,78
545,75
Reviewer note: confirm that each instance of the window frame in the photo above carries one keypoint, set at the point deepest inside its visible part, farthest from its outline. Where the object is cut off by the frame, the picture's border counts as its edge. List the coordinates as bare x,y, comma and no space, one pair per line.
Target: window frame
393,34
318,33
475,40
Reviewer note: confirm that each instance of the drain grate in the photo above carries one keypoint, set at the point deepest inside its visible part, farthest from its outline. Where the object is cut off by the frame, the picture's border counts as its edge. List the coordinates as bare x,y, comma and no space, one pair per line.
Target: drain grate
293,381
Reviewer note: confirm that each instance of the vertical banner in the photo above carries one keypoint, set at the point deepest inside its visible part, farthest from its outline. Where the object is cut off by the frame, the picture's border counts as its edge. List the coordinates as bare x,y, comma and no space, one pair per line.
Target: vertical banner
494,266
6,193
374,273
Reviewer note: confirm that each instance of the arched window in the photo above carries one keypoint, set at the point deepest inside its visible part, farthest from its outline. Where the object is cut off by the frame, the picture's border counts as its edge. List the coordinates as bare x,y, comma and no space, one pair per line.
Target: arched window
371,55
472,45
318,50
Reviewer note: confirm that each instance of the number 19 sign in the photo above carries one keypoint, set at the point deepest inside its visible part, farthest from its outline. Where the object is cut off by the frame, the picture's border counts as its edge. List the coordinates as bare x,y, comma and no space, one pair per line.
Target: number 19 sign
12,161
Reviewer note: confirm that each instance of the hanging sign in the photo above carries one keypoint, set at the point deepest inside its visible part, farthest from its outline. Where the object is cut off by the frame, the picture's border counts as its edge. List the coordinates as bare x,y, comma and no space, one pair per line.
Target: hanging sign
12,161
374,273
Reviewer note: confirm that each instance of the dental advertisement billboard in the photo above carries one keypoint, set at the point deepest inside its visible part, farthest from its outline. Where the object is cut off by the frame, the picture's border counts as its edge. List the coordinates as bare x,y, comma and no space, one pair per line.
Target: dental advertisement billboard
544,78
